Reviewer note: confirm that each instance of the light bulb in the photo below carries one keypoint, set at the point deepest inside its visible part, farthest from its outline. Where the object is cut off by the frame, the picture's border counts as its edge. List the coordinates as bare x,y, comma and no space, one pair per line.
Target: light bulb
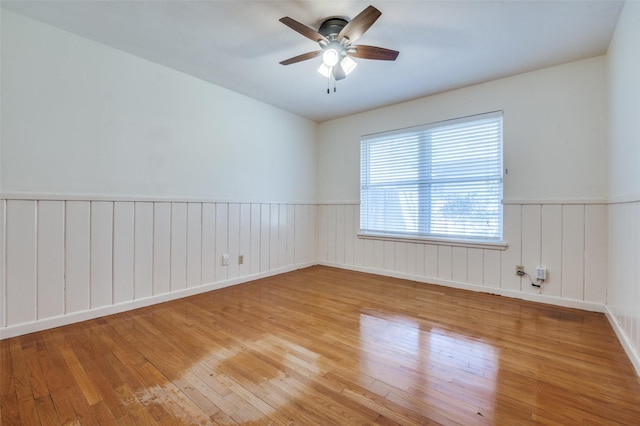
330,57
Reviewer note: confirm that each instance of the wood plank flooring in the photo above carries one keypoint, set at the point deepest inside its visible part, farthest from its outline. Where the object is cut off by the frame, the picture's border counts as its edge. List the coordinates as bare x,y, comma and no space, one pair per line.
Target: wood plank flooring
323,346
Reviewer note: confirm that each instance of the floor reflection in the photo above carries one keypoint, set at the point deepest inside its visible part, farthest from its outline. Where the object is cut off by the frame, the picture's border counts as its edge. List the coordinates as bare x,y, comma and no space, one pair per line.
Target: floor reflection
437,367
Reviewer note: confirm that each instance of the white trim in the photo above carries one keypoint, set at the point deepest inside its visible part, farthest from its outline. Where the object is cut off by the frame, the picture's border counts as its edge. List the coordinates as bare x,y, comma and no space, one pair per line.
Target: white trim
522,201
632,353
47,323
631,198
3,264
623,199
516,201
332,203
35,196
489,245
532,297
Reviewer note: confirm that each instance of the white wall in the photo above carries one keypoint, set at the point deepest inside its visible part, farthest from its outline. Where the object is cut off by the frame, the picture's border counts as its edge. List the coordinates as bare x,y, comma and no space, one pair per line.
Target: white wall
554,133
624,105
555,192
623,293
80,118
123,182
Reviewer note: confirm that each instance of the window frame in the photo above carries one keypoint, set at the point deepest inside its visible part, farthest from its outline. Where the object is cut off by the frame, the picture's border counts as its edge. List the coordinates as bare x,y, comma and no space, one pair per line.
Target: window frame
422,235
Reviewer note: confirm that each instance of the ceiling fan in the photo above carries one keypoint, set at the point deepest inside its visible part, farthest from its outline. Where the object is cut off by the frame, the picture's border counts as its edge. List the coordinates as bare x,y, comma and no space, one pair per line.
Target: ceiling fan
336,36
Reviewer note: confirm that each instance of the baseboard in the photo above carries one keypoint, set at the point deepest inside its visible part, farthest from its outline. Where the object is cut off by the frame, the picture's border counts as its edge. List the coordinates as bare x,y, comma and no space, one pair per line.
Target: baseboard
632,353
532,297
61,320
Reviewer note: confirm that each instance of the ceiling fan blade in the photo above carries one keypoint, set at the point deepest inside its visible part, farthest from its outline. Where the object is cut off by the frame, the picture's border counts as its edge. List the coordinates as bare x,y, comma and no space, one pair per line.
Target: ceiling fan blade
361,23
372,52
309,33
338,72
303,57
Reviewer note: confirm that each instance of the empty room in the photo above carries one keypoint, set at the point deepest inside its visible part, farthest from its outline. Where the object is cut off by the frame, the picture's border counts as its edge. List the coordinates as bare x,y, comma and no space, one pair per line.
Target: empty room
320,213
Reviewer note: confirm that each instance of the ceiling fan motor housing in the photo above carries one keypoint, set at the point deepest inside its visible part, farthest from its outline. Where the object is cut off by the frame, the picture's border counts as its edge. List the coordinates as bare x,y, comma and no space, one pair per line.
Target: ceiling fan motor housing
331,27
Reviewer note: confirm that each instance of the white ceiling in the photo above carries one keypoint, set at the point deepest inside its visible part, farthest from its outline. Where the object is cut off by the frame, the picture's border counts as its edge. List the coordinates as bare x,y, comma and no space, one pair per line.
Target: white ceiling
443,44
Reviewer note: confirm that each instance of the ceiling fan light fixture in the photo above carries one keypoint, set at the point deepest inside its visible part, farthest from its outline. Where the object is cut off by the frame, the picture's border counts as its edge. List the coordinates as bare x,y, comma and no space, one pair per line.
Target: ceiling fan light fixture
348,65
330,57
335,37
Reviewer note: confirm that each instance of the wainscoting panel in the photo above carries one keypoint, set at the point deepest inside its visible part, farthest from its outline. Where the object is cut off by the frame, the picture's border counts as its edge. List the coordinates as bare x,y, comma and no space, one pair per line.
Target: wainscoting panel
101,259
3,290
222,241
569,240
50,255
445,260
233,240
64,261
77,255
531,244
178,274
123,251
475,260
161,248
273,236
512,234
194,247
21,272
623,291
244,239
209,242
301,233
255,234
492,262
551,257
143,250
573,252
265,233
595,246
430,260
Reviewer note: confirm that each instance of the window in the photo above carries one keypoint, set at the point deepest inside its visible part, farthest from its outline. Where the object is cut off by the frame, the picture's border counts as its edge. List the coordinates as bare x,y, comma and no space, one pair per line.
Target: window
437,181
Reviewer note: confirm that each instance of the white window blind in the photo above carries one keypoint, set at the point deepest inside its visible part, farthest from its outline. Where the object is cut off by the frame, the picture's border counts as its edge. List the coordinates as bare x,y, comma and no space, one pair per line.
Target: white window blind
442,180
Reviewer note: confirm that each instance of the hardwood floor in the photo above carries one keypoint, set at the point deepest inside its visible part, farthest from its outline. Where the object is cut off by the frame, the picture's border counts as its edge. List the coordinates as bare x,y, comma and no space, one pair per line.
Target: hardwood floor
323,346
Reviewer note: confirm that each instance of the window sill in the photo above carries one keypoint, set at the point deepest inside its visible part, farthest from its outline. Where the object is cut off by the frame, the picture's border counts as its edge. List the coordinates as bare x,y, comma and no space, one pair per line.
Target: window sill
489,245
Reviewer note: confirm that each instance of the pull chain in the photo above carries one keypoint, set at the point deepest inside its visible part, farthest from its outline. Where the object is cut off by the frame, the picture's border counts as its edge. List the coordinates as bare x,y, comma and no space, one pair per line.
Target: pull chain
329,84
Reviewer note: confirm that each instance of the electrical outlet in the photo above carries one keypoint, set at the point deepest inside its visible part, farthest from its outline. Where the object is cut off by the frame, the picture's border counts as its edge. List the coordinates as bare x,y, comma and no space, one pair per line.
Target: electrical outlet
240,259
225,259
519,269
541,273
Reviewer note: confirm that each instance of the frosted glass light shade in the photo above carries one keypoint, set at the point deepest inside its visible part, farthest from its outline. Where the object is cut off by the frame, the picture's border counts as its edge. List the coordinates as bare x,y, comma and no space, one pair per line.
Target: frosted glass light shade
325,70
330,57
348,65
